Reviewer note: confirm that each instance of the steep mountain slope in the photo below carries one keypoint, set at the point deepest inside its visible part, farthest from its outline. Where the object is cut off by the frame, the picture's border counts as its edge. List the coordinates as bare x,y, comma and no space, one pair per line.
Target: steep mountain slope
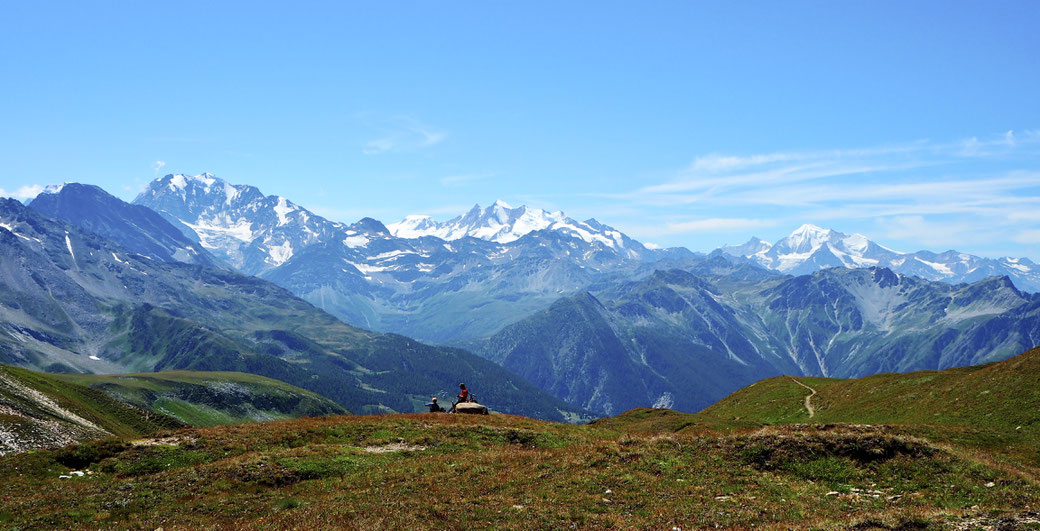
210,398
492,264
40,410
854,322
71,301
811,248
686,340
667,343
135,228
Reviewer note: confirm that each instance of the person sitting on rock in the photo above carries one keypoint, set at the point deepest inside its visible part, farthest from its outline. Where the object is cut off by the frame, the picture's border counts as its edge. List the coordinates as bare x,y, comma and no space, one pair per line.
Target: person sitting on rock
434,406
463,394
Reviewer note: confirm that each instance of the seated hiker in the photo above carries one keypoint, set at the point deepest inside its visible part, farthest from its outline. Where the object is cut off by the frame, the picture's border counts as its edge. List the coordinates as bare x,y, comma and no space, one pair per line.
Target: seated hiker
463,394
434,406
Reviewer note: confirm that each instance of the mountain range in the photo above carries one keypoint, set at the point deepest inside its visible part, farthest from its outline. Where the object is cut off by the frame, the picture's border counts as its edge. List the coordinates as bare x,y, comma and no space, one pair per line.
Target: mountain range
492,264
574,314
687,338
415,277
73,301
811,248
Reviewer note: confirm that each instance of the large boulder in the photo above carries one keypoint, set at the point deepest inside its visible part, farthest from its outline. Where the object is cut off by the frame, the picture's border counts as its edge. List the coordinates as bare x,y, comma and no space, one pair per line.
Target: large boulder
471,408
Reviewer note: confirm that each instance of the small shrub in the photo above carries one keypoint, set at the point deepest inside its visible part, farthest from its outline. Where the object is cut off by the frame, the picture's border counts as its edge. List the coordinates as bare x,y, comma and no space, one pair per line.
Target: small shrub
83,455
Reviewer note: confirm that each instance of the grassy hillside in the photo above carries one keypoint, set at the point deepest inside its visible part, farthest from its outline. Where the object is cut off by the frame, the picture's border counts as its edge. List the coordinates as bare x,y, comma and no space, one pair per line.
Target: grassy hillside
1001,395
210,398
993,407
41,410
439,471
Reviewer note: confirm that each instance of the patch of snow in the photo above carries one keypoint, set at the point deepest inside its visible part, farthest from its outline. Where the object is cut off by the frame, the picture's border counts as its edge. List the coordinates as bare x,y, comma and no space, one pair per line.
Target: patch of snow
1017,266
68,243
277,255
22,236
790,261
356,241
942,269
501,223
413,226
54,188
665,401
240,230
391,254
206,179
230,192
177,182
95,358
857,243
116,258
584,234
283,209
366,268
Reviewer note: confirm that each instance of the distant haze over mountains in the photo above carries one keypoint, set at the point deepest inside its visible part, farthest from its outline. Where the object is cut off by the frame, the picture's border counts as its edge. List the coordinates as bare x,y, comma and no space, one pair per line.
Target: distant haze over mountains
723,325
577,308
811,248
74,301
491,264
415,277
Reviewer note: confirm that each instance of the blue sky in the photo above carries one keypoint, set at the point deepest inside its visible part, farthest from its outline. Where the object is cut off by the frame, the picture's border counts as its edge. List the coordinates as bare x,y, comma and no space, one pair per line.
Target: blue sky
680,123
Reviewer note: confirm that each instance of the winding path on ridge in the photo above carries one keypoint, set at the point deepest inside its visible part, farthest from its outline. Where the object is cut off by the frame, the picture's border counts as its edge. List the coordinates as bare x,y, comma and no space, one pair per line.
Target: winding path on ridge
808,399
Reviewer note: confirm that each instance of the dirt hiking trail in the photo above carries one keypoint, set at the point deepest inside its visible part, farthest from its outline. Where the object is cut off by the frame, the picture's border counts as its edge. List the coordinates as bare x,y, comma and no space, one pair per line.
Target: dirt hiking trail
808,399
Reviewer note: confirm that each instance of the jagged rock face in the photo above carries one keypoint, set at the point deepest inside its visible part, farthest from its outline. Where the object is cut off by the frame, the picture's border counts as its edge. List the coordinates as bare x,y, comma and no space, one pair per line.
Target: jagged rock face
811,248
415,277
135,228
250,231
694,338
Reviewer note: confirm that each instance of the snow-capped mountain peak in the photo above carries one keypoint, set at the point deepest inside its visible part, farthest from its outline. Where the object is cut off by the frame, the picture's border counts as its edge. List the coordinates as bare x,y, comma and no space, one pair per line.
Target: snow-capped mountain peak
502,223
54,188
811,248
240,224
808,238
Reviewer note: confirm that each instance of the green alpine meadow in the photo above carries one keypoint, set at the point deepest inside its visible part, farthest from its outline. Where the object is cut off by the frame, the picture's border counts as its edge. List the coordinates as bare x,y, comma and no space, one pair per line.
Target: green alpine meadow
954,453
534,265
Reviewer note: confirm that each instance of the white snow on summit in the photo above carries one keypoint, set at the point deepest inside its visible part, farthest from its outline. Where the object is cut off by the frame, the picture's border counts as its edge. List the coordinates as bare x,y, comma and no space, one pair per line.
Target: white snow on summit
810,248
502,223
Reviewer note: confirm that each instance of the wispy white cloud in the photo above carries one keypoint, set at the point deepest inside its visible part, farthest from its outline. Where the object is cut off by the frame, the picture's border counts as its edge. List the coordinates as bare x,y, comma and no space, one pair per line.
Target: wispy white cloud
715,175
976,191
403,133
28,191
